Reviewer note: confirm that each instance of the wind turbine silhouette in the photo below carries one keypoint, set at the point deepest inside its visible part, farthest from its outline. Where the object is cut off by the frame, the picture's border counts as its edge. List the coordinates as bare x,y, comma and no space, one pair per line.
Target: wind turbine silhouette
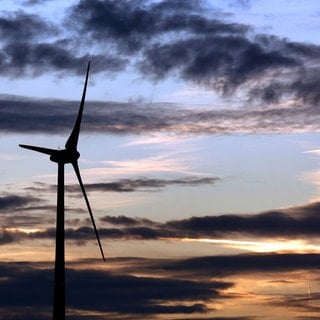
68,155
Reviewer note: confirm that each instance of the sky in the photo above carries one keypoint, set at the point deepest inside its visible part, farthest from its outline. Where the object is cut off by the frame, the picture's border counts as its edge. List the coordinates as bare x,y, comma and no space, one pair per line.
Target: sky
200,154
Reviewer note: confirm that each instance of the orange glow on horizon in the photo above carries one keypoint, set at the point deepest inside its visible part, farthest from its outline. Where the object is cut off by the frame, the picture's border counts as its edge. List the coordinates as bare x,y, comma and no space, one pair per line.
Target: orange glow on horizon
279,245
24,230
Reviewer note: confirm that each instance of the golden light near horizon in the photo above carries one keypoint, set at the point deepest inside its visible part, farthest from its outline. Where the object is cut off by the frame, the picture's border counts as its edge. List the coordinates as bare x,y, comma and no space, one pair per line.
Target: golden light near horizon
23,230
279,245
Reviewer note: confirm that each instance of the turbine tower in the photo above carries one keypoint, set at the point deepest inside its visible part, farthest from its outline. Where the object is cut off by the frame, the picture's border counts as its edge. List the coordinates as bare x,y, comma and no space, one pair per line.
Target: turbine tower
68,155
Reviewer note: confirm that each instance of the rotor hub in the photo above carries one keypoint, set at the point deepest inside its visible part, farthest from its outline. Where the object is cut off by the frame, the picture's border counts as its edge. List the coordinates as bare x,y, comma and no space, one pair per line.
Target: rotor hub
65,156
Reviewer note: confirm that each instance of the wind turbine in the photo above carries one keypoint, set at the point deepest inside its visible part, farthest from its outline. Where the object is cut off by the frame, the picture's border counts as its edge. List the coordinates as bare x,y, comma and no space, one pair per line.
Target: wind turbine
68,155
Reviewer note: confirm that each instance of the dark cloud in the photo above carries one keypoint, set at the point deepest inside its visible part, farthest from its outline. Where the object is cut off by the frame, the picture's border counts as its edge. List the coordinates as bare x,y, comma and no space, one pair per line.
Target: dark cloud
281,223
134,24
228,63
131,24
219,266
100,291
26,211
10,236
21,27
224,64
127,221
34,2
292,223
247,263
32,46
57,116
19,113
142,184
82,234
128,185
289,224
170,288
23,218
185,39
197,45
46,57
303,85
138,232
130,294
299,302
11,202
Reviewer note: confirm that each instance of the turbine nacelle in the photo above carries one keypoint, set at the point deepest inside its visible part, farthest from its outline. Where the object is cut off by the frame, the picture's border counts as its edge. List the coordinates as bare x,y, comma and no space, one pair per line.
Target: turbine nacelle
65,156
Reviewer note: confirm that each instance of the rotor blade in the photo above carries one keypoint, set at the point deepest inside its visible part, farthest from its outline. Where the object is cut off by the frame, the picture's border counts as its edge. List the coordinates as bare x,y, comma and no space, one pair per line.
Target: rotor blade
39,149
77,171
72,141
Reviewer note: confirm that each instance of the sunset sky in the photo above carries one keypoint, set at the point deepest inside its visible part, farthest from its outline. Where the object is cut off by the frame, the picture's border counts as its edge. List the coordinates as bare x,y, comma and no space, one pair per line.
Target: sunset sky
200,153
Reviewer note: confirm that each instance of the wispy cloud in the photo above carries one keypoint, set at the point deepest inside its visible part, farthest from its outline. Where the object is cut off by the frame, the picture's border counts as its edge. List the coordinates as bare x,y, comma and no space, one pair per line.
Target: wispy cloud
145,166
11,202
156,139
129,185
144,184
297,226
121,118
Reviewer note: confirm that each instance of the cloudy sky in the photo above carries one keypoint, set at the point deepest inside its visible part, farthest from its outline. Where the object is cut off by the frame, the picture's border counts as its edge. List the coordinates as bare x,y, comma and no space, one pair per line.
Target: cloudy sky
200,152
